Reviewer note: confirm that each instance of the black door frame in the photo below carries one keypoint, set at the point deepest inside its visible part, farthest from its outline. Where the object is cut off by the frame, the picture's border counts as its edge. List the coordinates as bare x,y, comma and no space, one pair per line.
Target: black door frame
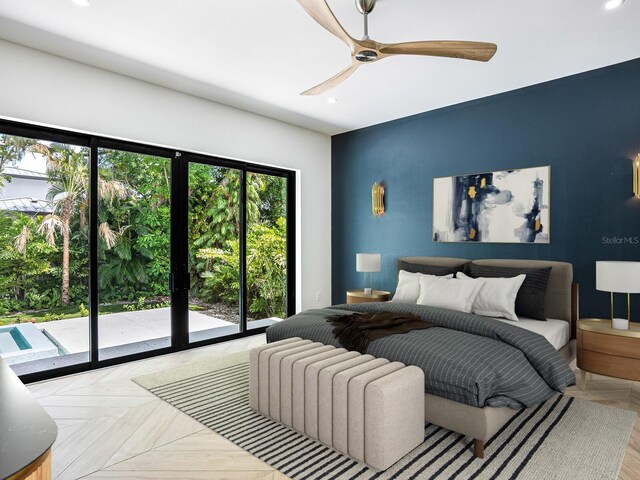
182,212
179,207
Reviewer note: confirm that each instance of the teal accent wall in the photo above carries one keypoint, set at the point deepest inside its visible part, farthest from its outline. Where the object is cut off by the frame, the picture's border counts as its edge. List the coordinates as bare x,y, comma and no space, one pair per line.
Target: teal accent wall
587,127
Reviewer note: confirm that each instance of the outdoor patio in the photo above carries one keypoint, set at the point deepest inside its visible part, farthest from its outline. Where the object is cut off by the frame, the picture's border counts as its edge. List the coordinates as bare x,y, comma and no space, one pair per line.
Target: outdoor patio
30,347
124,328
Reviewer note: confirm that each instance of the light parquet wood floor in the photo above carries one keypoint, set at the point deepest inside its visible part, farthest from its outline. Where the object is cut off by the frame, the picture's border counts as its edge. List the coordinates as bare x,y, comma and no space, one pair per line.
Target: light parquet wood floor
110,428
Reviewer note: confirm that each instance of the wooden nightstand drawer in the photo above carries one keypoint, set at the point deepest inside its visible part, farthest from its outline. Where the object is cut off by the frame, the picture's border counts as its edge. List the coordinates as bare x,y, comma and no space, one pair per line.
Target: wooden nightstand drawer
611,365
608,351
611,344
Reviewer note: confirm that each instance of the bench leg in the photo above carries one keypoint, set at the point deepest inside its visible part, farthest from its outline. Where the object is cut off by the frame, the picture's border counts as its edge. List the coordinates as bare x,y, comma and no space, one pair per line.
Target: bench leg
478,448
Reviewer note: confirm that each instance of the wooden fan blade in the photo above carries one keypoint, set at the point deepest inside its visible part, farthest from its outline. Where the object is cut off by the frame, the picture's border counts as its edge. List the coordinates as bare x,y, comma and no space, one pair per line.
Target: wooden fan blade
480,51
321,13
333,81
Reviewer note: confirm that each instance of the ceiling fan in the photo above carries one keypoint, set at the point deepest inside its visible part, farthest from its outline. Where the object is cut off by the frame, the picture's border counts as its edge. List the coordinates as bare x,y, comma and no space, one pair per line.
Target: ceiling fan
369,51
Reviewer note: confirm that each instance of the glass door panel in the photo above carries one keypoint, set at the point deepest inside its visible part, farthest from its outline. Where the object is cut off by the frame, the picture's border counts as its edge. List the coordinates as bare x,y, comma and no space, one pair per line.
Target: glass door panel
213,251
134,217
44,269
156,250
266,249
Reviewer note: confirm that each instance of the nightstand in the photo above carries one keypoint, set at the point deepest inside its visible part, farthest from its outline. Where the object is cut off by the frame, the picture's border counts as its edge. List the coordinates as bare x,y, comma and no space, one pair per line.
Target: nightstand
607,351
358,296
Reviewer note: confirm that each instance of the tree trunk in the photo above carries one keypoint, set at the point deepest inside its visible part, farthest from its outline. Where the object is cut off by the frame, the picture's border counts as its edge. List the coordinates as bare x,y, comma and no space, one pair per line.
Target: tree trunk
64,289
66,233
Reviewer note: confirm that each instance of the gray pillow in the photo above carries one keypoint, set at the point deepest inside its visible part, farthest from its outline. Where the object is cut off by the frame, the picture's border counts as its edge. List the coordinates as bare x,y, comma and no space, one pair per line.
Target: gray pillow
428,269
532,293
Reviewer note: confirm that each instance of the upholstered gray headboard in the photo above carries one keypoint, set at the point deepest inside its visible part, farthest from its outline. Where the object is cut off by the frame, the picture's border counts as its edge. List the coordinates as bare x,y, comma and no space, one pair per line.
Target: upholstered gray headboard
559,301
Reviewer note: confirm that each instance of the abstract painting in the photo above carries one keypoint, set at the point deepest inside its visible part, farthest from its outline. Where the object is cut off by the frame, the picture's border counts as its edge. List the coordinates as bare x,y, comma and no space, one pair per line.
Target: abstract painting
510,206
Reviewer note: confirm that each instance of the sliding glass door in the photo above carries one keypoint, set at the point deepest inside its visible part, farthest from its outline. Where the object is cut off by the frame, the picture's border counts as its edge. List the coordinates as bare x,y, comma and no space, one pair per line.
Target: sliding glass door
44,294
238,248
112,251
266,249
214,222
133,227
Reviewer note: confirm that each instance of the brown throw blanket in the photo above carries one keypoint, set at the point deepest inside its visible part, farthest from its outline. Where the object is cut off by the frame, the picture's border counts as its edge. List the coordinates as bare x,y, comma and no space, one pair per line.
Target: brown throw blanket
355,331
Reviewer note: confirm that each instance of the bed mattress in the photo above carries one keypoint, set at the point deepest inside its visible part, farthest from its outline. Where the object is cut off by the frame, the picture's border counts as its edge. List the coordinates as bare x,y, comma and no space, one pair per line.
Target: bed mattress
557,332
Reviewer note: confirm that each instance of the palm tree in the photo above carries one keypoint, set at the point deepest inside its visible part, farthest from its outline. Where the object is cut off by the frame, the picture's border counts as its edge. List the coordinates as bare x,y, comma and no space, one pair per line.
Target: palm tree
68,192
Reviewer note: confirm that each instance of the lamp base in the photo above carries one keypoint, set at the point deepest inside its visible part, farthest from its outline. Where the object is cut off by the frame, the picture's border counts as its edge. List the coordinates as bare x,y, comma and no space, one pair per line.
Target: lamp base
620,323
368,291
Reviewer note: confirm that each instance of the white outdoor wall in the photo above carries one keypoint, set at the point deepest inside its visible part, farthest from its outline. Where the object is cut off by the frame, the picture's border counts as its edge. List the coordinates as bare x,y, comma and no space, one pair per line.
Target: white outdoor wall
25,187
41,88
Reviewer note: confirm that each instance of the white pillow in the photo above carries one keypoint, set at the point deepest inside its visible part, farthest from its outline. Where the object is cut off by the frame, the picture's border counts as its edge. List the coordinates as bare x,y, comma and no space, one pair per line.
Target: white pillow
408,289
497,297
448,293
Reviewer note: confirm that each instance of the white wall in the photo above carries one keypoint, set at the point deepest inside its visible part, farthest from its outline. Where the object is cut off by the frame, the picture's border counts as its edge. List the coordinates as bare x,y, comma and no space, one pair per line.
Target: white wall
25,187
41,88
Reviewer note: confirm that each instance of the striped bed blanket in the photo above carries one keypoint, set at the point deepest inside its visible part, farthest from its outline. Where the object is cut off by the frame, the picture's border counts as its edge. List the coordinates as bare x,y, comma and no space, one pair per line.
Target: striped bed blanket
466,358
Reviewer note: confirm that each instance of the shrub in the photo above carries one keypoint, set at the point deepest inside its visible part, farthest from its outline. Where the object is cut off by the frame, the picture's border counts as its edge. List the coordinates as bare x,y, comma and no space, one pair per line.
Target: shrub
266,271
139,305
51,317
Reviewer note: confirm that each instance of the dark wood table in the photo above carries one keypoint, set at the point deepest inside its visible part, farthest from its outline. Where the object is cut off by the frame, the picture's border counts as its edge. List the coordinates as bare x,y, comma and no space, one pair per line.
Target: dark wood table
26,431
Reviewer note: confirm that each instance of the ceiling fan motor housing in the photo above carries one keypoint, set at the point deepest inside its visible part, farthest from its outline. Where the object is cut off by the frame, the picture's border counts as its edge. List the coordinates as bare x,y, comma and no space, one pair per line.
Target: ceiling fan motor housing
366,56
365,6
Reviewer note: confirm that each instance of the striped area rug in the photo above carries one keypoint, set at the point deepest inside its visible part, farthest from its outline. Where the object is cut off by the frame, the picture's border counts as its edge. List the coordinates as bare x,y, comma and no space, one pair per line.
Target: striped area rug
564,438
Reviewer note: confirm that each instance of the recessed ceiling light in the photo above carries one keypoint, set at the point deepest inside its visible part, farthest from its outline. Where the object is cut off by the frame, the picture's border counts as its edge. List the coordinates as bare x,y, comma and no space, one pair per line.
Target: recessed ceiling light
611,4
332,100
81,3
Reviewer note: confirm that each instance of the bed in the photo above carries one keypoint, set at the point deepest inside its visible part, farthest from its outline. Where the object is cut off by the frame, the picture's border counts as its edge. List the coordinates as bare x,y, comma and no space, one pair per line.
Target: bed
479,371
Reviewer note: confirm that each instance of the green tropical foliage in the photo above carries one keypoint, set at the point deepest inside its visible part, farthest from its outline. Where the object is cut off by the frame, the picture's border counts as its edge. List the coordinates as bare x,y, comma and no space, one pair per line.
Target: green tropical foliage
12,150
134,262
266,270
28,279
44,258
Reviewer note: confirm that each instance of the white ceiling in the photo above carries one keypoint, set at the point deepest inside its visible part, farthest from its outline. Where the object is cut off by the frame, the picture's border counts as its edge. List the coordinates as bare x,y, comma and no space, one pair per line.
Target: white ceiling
258,55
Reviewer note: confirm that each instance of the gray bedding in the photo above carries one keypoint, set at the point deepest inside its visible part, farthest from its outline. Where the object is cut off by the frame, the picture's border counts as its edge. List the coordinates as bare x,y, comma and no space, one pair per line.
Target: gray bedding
465,358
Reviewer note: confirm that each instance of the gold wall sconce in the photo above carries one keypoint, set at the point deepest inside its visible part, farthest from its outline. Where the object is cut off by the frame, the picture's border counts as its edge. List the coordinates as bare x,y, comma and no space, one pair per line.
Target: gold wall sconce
377,200
636,176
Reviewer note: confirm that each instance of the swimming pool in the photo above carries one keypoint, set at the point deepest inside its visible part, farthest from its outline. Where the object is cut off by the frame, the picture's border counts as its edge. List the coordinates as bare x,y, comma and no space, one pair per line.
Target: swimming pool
23,342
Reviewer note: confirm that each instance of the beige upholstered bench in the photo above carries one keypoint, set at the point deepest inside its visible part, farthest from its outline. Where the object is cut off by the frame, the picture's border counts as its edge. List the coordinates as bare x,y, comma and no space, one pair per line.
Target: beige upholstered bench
367,408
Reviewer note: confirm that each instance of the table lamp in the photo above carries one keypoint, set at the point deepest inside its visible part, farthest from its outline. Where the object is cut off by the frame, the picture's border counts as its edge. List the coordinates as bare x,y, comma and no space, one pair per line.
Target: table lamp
367,263
619,277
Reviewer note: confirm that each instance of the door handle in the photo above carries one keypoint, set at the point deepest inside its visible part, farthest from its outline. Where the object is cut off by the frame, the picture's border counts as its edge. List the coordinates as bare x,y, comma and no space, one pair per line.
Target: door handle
186,279
181,281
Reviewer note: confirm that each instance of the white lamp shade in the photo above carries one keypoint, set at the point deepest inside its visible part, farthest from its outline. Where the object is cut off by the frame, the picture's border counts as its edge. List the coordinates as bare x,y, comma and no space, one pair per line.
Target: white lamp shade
619,277
367,262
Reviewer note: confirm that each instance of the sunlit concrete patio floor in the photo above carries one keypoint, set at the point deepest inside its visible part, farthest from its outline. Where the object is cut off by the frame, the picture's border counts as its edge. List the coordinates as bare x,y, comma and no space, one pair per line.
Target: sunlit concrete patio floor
123,328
